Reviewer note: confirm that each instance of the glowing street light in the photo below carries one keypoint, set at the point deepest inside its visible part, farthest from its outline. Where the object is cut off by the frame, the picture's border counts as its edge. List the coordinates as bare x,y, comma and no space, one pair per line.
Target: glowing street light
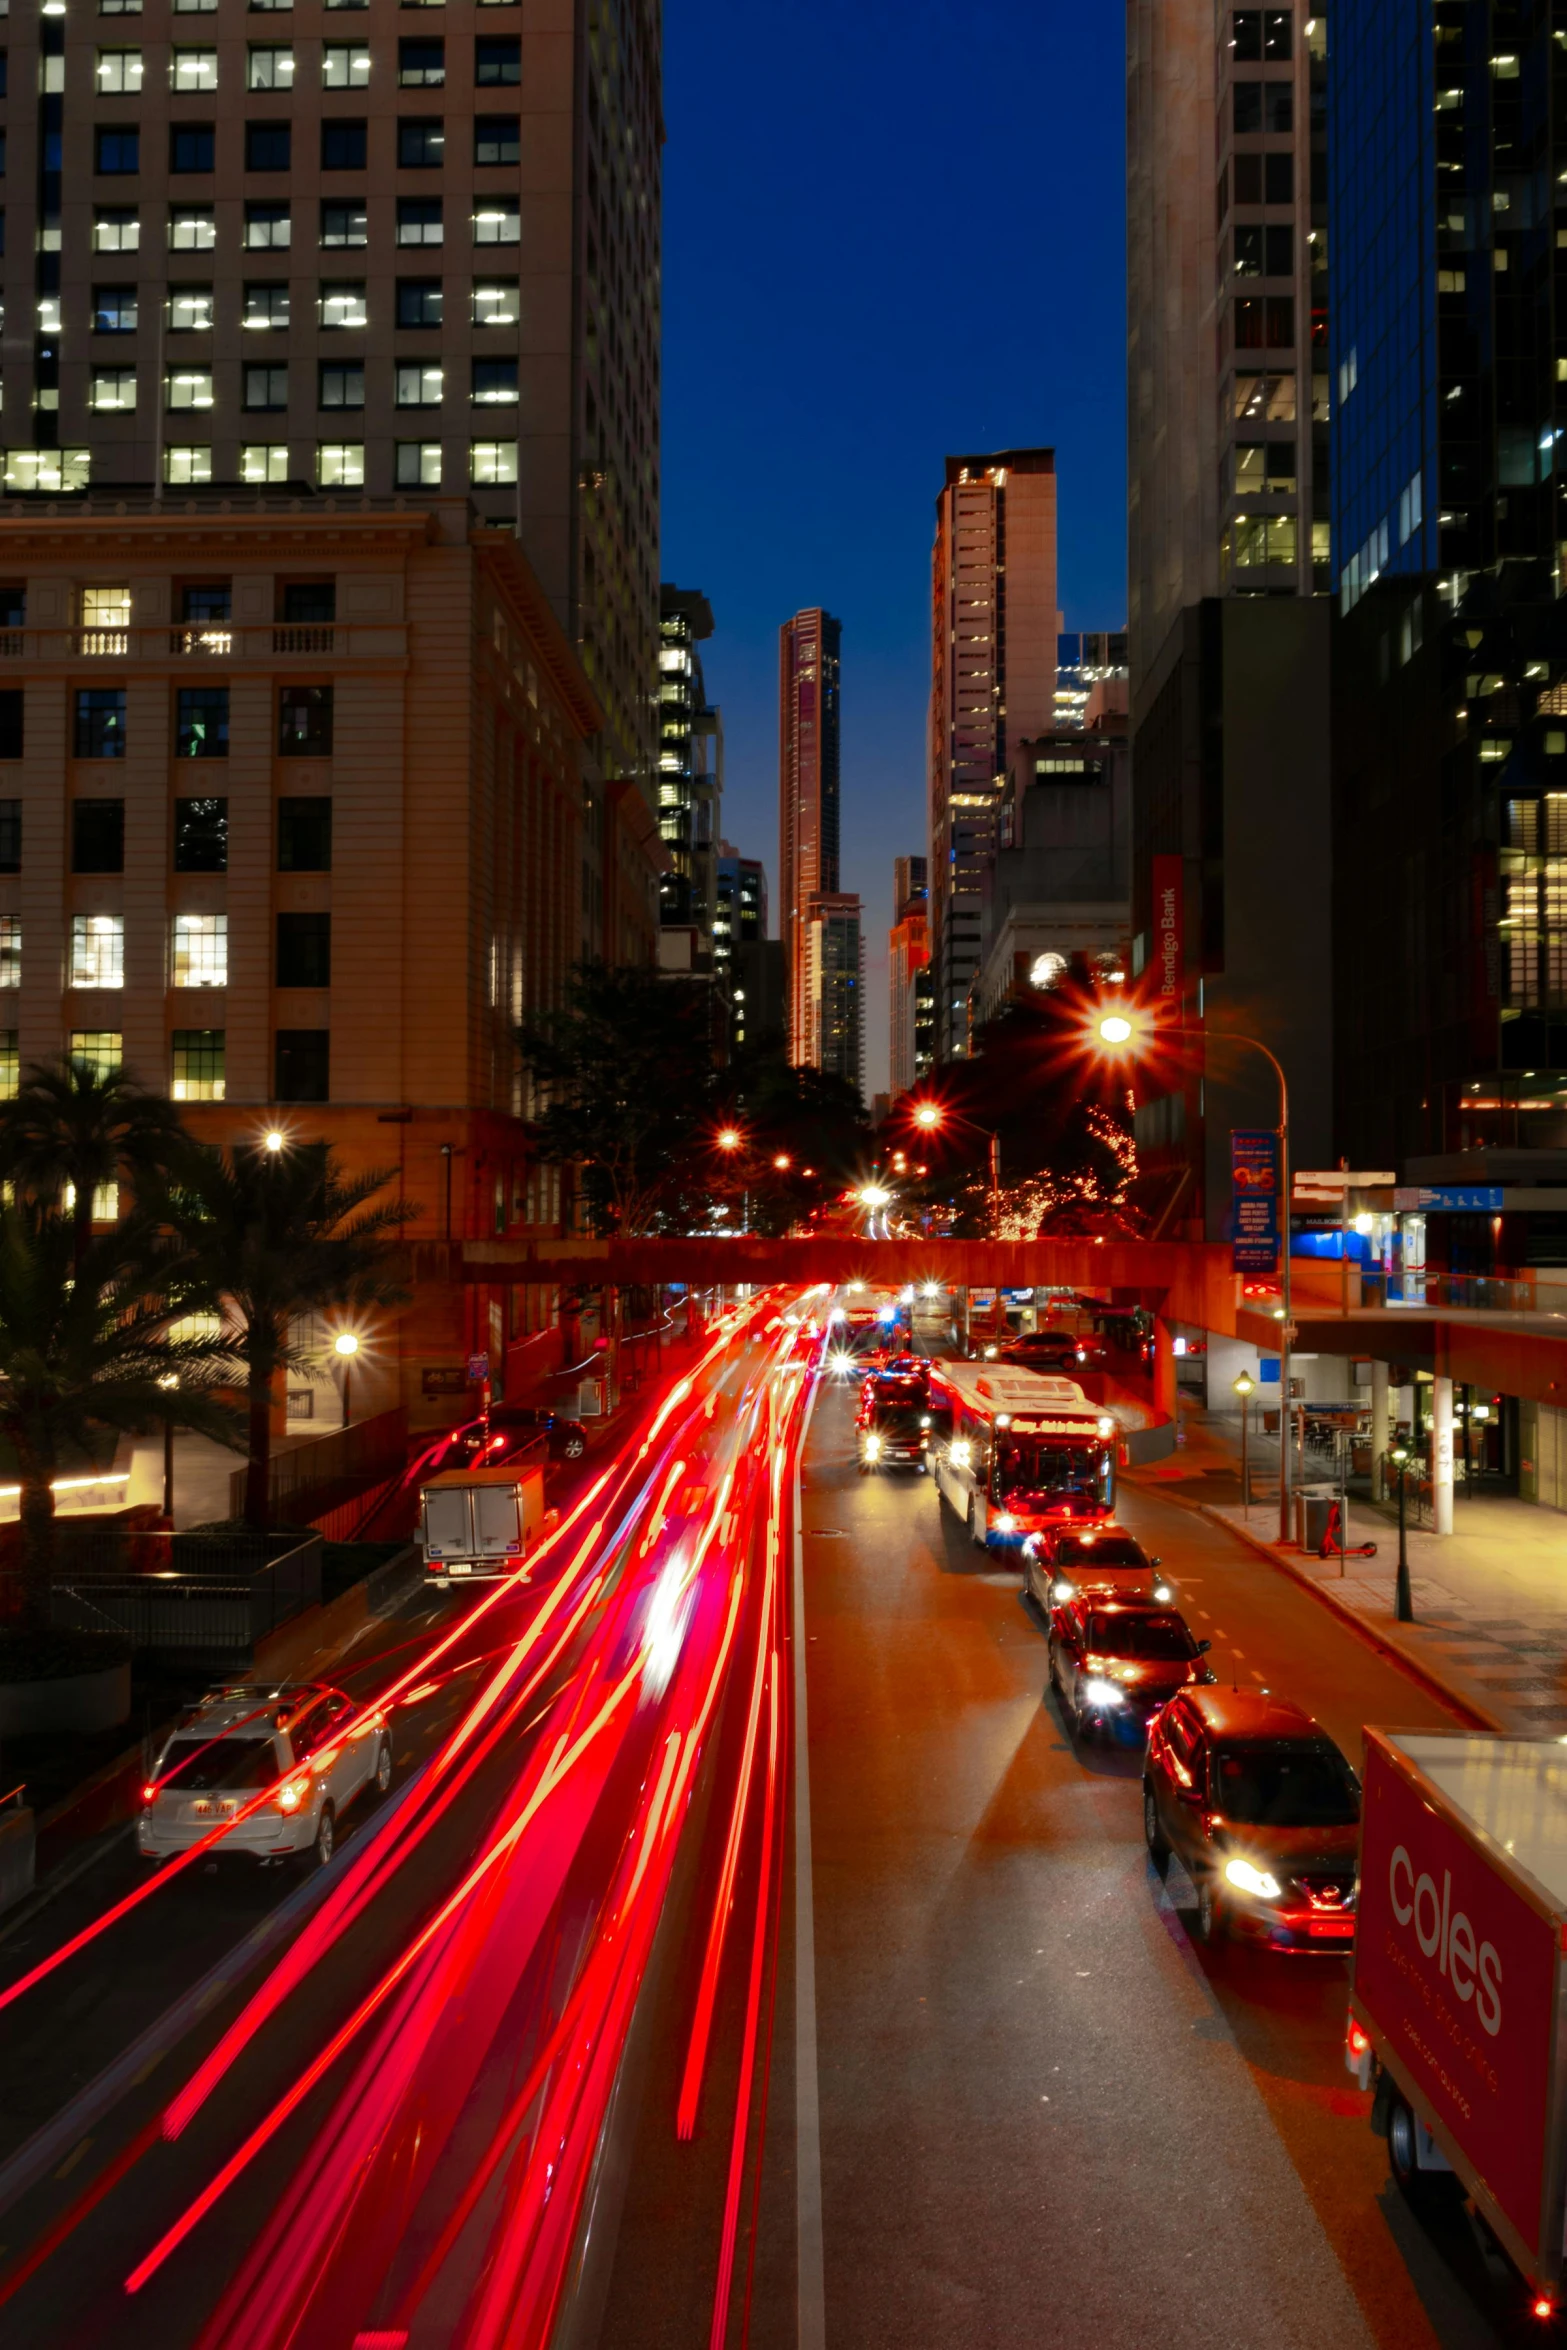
783,1162
872,1196
1115,1028
273,1141
1243,1386
729,1138
346,1345
928,1115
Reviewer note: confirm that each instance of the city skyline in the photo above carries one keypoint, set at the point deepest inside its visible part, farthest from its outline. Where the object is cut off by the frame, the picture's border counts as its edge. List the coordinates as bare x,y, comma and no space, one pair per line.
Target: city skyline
769,533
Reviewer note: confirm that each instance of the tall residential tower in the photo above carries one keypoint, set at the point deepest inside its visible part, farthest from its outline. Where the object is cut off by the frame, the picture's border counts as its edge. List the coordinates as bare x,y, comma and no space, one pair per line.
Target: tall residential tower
820,924
993,682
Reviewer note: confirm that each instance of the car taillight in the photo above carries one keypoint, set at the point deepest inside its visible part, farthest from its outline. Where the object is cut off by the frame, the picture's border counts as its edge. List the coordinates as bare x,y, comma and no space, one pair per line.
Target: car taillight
1357,2042
149,1793
292,1794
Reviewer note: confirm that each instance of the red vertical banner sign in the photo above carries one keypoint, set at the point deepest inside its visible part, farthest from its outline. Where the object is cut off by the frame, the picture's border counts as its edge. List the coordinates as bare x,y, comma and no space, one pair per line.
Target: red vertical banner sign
1169,939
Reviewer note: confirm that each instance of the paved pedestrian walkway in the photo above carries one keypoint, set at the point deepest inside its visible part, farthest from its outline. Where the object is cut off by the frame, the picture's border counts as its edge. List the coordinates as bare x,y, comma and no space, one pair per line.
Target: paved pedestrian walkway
1490,1599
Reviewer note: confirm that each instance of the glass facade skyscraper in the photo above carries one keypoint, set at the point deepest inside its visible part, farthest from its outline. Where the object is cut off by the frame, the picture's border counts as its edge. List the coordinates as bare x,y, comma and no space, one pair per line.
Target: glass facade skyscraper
1448,147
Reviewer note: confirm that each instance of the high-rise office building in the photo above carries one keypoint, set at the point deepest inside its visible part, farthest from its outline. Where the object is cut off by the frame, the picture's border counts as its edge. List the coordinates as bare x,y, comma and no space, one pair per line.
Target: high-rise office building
744,954
1228,562
809,652
1091,676
993,681
1450,660
912,1003
741,918
690,768
393,255
834,961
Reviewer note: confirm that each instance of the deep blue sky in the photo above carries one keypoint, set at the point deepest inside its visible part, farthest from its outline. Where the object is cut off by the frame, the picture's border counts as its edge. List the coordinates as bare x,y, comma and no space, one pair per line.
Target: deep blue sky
890,231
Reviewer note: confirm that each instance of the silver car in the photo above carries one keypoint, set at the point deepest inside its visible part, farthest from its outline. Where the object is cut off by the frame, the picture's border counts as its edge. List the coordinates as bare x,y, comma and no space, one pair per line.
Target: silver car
307,1744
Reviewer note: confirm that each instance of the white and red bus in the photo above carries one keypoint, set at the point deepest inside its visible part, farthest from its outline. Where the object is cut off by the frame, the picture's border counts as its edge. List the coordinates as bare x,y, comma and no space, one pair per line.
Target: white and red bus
1015,1451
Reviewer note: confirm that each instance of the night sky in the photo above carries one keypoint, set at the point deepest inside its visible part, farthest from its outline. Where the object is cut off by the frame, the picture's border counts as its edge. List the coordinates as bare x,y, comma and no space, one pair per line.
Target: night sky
890,231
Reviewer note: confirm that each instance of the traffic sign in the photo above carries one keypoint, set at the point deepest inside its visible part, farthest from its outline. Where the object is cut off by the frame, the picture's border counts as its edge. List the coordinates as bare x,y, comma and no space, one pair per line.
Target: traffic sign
478,1370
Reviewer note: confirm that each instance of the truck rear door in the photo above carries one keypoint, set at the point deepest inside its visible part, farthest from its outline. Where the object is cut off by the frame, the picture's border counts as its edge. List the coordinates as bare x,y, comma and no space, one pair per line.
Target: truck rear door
446,1525
497,1524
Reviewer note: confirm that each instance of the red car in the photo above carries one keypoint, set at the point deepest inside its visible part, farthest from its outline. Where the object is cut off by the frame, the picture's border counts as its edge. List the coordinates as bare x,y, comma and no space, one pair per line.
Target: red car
1115,1662
1263,1812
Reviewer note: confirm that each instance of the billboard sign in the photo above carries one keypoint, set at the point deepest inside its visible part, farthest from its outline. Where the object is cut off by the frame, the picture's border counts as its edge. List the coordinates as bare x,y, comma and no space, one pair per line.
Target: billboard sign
1254,1199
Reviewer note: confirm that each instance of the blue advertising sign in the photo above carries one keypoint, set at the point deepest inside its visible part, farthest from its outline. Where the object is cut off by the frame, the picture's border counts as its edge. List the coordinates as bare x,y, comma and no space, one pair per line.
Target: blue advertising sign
1254,1199
1449,1198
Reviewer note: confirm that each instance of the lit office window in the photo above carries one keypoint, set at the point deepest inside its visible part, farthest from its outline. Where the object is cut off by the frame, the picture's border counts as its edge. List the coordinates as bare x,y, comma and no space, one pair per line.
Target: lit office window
97,950
10,1063
47,469
112,388
266,307
264,461
193,228
103,1050
118,71
197,1071
492,462
497,220
201,950
189,387
193,69
345,65
419,384
190,309
267,227
269,69
116,229
340,465
10,950
343,305
495,301
187,466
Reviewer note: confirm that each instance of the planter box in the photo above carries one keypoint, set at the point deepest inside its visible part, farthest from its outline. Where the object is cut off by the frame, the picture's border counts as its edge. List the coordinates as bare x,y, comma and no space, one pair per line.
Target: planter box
80,1703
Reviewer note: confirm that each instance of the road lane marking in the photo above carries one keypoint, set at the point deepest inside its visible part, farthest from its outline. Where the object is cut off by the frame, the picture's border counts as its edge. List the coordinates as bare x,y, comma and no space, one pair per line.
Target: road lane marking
72,2159
810,2281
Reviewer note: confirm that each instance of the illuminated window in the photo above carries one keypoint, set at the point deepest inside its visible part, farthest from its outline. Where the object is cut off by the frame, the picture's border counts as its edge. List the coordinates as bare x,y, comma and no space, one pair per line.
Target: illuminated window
497,220
189,387
343,304
116,229
103,1050
418,465
118,70
201,950
420,384
266,307
10,1062
345,65
264,461
495,301
492,462
267,227
10,950
97,951
197,1063
340,465
269,69
193,69
190,310
112,388
193,228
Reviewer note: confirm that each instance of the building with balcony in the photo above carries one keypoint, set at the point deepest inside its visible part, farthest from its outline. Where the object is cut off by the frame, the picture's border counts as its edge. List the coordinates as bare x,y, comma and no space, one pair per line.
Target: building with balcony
690,769
385,256
291,820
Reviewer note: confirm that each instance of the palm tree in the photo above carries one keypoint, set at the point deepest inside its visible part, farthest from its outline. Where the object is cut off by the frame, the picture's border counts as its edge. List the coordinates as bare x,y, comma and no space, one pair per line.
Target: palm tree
85,1347
73,1128
268,1236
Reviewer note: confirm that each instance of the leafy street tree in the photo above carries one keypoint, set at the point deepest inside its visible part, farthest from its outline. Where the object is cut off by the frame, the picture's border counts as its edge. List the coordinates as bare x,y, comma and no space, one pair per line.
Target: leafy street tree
85,1348
72,1129
625,1070
267,1236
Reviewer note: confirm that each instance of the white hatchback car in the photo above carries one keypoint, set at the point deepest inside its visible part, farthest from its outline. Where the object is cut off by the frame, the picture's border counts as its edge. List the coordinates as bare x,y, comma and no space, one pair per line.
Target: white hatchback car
302,1741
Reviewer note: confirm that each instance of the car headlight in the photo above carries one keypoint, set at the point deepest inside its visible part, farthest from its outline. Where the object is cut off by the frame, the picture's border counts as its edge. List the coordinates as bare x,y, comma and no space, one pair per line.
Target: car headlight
1102,1693
872,1445
1006,1523
1106,1425
1062,1589
925,1421
1162,1594
1252,1880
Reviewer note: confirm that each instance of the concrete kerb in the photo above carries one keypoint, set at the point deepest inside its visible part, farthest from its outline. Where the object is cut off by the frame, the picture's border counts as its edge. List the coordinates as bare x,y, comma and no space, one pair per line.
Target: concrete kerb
1413,1666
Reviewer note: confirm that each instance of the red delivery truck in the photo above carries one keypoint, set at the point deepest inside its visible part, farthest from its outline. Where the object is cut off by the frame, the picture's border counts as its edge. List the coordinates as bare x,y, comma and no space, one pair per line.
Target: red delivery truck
1460,1977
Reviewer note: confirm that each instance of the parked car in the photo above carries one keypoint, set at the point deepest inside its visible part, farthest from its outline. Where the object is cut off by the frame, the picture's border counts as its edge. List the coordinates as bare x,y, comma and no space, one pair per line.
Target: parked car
1115,1662
1066,1562
1262,1810
512,1427
309,1744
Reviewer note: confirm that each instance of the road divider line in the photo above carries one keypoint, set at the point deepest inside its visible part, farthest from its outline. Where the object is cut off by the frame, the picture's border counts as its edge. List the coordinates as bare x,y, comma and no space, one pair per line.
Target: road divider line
811,2284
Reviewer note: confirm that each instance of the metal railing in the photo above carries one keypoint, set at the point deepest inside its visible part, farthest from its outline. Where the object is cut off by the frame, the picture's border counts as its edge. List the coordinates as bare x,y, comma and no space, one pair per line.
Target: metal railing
310,1479
1493,1293
187,1595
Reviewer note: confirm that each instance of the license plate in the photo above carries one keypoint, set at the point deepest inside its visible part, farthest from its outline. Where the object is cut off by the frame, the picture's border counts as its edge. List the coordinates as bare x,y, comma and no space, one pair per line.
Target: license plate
1330,1929
461,1567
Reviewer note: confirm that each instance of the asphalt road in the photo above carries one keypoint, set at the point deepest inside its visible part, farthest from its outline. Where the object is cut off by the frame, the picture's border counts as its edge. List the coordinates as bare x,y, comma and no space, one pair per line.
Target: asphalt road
1045,2112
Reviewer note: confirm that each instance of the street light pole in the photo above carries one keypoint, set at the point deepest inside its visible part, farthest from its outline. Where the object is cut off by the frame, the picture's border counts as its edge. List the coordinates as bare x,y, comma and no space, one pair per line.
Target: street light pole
1403,1604
1243,1387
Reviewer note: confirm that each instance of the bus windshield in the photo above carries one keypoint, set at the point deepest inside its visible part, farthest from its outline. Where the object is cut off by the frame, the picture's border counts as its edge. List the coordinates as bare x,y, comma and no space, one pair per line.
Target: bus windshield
1035,1468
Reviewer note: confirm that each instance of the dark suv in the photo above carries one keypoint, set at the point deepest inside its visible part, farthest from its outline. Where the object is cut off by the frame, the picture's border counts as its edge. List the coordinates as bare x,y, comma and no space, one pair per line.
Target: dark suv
514,1426
1262,1810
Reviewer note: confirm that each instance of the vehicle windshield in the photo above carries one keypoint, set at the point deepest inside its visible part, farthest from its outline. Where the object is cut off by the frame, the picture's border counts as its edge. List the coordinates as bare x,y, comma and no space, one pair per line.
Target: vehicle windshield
1147,1639
1105,1550
197,1766
1051,1472
896,1391
1285,1787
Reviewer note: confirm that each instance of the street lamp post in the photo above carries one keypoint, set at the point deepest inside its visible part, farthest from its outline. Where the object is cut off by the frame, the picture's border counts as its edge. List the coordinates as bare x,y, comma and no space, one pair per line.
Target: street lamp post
170,1380
1117,1031
1243,1387
347,1346
1403,1605
928,1116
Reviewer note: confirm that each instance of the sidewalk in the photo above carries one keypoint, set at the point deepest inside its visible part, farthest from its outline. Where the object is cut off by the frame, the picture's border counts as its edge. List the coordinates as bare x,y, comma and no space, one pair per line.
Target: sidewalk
1490,1600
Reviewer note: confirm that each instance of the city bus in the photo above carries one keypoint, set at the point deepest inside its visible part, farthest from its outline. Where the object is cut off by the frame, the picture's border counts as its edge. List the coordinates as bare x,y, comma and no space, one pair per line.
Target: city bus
1016,1450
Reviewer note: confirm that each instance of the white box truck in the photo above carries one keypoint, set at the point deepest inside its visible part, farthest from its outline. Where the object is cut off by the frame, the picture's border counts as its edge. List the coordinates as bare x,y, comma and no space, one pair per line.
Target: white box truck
1460,1979
477,1524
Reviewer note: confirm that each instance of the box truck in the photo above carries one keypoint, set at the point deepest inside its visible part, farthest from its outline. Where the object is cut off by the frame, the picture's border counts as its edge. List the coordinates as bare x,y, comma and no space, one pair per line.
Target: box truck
479,1523
1460,1975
